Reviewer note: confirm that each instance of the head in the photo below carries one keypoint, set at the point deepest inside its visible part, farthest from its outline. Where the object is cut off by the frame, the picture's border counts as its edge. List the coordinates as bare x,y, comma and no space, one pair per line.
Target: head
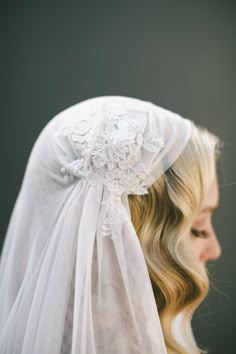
174,225
202,241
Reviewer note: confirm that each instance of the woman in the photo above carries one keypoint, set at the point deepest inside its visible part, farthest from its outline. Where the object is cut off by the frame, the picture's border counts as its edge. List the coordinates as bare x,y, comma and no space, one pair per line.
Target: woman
107,242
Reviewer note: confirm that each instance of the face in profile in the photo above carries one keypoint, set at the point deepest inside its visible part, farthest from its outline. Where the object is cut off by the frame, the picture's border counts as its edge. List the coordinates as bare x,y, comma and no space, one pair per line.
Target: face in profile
202,239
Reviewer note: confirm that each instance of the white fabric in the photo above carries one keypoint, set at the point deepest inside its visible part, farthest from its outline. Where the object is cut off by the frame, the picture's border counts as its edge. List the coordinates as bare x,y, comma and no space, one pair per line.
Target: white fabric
73,278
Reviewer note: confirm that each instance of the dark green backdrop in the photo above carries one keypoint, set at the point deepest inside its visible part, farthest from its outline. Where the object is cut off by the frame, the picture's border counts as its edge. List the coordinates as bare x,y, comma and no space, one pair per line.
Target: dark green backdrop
179,54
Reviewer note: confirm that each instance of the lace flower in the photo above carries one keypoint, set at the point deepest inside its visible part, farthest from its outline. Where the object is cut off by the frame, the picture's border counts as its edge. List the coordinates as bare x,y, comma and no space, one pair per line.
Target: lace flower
110,152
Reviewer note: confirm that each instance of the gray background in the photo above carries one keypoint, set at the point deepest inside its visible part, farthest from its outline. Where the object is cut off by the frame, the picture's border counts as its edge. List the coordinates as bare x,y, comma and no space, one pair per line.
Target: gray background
179,54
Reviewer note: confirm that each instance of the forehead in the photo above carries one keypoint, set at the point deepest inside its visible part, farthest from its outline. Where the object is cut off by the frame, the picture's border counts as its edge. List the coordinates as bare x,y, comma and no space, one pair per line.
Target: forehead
212,196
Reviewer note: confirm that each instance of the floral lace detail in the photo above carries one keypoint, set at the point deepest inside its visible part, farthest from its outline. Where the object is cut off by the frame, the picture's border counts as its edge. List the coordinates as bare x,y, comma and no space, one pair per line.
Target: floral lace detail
115,217
110,152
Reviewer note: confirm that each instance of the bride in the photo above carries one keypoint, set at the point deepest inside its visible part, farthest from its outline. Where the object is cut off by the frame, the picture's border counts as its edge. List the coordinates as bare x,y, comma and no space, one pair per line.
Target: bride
107,244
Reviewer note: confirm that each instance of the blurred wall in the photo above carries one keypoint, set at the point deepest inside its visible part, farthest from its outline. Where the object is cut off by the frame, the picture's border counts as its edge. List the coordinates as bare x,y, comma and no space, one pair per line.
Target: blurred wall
179,54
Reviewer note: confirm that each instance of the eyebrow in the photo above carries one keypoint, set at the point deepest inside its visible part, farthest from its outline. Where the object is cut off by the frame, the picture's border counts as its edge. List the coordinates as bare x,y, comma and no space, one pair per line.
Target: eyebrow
209,209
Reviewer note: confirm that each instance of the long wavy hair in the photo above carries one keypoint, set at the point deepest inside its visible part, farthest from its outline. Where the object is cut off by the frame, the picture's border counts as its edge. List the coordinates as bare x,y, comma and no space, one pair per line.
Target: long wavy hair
163,219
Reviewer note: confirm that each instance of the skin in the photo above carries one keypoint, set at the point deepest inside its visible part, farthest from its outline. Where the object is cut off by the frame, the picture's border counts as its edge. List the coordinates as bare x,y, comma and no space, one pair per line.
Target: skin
205,246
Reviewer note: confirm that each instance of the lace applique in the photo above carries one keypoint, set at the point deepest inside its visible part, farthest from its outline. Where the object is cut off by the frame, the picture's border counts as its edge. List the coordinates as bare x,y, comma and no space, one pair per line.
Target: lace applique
116,215
110,152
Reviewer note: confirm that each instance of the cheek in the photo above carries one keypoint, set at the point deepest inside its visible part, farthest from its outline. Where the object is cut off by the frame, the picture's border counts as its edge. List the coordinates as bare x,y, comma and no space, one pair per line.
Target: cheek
194,245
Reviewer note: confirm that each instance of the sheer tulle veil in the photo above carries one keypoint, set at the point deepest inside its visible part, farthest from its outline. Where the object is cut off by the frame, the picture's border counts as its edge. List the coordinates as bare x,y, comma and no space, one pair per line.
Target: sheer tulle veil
73,278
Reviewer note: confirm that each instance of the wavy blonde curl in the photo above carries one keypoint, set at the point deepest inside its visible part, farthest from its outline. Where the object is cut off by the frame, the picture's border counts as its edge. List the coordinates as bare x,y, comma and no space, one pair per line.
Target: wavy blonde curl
163,219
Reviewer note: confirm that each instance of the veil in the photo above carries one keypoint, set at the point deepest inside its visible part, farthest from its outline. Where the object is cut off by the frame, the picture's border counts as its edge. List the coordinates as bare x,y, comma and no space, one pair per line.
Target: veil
73,277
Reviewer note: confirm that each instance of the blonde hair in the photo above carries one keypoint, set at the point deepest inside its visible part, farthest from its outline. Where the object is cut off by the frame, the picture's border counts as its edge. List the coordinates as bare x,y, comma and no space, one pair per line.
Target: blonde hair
162,219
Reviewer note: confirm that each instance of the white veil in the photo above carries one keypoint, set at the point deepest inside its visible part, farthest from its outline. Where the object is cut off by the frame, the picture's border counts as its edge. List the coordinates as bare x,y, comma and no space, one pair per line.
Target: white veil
73,278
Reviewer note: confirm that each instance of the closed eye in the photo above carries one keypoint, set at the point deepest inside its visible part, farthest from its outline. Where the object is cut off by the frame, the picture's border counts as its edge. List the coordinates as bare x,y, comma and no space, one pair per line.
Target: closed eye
199,233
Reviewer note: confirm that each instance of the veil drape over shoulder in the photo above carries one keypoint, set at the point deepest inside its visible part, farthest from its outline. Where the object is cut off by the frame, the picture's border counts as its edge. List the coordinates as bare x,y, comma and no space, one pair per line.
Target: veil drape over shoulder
73,278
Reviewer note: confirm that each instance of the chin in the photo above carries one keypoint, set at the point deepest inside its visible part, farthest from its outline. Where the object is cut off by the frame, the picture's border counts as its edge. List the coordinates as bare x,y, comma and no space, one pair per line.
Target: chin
202,262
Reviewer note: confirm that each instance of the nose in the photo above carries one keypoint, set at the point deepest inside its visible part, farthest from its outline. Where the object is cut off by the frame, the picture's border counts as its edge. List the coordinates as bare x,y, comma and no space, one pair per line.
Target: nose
213,249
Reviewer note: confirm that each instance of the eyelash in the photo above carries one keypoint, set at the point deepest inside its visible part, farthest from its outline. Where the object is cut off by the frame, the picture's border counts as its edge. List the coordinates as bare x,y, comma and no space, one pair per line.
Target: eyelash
199,233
